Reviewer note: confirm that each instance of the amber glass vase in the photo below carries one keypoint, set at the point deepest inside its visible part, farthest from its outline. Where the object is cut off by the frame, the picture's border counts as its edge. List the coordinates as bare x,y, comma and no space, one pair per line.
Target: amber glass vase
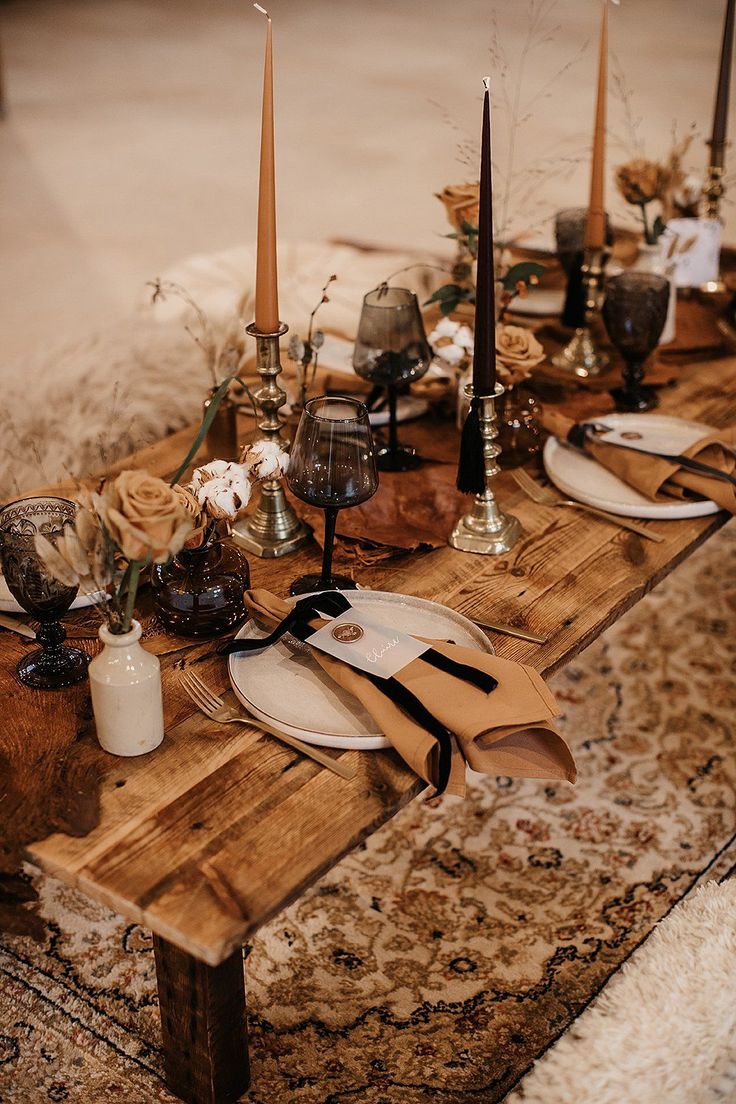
199,593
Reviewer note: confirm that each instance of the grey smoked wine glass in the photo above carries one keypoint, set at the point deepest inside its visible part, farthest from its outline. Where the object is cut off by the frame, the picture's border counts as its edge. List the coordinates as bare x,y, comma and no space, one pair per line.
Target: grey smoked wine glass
332,465
391,349
635,311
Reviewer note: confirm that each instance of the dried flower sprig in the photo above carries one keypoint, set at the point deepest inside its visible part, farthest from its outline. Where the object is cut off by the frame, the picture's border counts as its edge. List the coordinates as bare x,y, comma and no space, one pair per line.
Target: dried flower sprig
306,352
133,521
224,356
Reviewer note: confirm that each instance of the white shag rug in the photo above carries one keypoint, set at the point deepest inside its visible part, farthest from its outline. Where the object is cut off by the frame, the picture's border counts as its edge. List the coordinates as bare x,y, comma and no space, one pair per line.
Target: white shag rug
664,1029
73,409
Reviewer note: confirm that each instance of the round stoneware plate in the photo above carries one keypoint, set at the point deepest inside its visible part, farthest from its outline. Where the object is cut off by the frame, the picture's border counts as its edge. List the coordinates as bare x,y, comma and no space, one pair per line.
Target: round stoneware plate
286,686
8,603
582,478
539,302
407,408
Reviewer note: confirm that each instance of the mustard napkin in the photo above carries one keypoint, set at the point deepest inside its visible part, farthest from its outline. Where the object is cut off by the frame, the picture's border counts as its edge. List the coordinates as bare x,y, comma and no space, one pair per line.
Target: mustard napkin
508,731
658,479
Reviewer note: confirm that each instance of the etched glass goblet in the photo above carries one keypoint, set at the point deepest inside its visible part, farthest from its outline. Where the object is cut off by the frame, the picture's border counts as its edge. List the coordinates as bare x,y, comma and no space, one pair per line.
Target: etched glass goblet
635,311
55,664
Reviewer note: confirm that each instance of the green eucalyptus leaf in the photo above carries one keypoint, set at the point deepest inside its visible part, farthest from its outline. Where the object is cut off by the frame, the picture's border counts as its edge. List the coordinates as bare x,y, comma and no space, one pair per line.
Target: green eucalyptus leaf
521,272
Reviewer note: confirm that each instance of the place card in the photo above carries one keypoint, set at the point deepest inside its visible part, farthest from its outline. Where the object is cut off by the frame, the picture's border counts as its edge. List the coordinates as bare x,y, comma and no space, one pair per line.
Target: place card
367,645
695,245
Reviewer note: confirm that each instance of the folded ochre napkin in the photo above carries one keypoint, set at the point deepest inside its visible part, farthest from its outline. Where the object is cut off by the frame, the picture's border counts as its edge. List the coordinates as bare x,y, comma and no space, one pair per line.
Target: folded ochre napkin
659,479
508,731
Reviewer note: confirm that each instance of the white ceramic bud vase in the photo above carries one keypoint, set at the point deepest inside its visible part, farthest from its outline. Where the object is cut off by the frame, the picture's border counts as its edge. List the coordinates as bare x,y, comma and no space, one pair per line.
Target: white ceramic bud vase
652,259
125,681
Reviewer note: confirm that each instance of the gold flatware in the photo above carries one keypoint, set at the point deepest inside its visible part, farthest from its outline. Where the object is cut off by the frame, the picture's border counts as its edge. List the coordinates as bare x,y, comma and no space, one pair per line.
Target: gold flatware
214,707
548,498
19,627
509,630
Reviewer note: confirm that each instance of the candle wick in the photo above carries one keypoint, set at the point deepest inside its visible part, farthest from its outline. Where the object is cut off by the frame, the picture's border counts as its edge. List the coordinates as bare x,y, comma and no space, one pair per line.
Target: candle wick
262,10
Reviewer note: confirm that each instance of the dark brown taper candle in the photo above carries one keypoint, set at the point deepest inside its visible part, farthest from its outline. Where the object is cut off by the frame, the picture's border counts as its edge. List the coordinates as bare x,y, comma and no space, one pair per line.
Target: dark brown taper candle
484,350
720,114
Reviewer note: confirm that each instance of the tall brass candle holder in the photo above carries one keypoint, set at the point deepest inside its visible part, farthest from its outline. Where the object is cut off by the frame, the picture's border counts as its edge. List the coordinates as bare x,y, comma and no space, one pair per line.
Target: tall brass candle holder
486,530
272,529
580,356
714,192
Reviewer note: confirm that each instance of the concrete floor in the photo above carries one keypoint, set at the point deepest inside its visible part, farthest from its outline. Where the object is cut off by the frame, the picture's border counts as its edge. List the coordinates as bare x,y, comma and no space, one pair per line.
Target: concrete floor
132,131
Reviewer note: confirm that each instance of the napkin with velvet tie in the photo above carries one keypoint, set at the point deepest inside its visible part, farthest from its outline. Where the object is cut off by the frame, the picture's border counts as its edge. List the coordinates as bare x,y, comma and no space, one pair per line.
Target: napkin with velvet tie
451,706
659,479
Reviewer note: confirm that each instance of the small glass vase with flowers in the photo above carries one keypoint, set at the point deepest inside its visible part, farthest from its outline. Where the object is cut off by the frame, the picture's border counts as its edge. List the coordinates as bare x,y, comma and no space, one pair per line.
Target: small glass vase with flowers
199,591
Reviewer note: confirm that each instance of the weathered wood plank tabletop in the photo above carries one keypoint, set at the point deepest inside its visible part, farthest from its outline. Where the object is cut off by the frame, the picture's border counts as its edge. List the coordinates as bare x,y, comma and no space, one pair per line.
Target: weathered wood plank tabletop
221,827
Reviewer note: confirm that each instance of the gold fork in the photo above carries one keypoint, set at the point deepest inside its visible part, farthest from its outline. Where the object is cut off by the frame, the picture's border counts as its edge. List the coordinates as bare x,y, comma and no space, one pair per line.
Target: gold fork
547,498
214,708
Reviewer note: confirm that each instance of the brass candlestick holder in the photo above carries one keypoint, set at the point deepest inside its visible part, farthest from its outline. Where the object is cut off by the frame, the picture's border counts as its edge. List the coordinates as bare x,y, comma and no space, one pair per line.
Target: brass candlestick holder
486,530
273,529
580,356
714,191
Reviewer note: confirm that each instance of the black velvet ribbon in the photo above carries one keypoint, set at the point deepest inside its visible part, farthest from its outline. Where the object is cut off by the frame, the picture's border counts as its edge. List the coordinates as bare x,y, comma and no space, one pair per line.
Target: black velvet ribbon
332,603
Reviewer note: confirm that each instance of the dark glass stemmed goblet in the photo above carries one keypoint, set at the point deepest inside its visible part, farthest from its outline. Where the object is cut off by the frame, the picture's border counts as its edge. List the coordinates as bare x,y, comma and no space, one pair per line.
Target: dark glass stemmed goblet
332,465
392,350
635,311
55,664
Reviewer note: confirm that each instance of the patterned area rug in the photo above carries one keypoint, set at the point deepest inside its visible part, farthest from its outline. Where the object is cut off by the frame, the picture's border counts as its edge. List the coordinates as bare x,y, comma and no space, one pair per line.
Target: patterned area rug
438,961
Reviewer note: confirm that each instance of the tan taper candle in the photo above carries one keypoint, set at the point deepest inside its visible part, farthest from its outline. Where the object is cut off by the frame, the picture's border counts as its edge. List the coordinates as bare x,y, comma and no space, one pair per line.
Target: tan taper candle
595,228
267,290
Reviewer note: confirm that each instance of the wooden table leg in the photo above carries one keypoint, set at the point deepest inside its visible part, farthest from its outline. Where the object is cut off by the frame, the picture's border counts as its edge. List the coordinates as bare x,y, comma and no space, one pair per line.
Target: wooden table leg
203,1024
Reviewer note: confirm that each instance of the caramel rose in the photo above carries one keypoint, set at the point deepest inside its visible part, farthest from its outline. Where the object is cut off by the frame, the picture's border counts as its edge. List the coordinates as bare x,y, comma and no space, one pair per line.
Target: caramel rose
517,347
640,181
461,204
144,516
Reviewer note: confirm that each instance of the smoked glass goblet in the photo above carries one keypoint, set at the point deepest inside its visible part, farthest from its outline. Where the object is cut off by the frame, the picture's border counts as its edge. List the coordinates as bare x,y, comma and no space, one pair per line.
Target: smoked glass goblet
391,350
635,311
55,664
332,465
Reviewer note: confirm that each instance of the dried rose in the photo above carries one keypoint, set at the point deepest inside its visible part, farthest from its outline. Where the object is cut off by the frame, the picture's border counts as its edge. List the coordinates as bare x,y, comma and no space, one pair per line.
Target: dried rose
194,510
267,460
461,204
144,516
222,489
517,352
640,181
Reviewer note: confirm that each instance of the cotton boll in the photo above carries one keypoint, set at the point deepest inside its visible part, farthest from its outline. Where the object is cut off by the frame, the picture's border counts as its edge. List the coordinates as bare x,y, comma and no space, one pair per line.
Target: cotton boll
444,328
222,489
266,459
464,337
451,354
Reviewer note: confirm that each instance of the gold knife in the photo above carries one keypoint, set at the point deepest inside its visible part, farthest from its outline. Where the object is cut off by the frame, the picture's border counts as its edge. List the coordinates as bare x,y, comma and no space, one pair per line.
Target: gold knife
17,626
509,630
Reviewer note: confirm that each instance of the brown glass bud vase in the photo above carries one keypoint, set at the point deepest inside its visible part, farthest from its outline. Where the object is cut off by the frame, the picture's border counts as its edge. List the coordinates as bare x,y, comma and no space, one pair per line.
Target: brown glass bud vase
519,428
199,593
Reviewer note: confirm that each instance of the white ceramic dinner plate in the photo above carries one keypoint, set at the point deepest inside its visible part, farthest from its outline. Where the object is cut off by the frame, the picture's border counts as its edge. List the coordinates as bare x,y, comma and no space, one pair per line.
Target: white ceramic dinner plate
285,686
8,603
584,479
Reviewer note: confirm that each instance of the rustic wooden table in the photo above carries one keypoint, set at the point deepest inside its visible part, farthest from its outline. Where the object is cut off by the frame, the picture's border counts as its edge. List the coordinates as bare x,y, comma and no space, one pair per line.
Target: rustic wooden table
205,840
